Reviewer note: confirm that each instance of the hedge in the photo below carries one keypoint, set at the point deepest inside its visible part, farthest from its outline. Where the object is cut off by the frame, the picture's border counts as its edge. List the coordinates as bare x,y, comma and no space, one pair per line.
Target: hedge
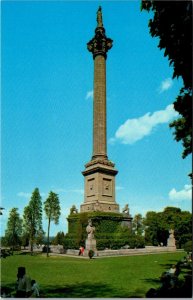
109,232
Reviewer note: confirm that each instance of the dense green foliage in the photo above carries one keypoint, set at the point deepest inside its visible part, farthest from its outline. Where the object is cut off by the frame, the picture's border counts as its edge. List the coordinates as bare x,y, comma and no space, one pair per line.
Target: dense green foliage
32,217
58,239
109,231
14,229
52,210
172,24
138,224
188,246
158,225
68,277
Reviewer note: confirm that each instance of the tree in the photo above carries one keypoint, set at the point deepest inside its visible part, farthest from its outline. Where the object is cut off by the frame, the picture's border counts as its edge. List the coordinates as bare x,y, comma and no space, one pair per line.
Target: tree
137,224
151,223
25,239
40,236
172,23
52,210
183,230
59,238
159,224
14,229
33,217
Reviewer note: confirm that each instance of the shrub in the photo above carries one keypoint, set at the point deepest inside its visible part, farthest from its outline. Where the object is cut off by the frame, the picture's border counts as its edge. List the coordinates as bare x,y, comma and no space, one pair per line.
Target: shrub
102,244
91,253
188,246
44,250
70,242
139,241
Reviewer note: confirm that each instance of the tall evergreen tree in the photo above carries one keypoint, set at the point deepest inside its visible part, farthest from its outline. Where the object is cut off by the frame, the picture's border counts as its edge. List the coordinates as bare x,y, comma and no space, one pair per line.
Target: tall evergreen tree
59,238
14,229
52,210
33,217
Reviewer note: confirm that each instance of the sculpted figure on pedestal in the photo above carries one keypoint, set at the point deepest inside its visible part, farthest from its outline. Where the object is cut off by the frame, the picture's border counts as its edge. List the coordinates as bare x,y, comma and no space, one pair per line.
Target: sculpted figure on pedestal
126,209
73,210
90,229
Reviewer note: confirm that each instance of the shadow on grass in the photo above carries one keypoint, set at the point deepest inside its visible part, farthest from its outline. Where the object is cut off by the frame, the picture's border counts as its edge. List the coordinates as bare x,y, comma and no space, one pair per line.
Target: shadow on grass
9,290
152,280
181,289
86,290
27,253
79,290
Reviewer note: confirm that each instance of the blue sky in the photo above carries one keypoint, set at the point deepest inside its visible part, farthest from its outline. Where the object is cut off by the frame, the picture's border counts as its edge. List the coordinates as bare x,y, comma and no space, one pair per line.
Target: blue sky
47,86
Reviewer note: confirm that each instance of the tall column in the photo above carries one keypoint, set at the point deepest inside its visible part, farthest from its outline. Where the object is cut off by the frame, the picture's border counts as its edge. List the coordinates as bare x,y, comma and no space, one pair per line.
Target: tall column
99,125
99,46
99,173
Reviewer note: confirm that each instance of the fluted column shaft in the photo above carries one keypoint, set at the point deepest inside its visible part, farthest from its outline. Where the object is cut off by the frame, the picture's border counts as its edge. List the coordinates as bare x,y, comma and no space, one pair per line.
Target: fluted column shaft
99,47
99,108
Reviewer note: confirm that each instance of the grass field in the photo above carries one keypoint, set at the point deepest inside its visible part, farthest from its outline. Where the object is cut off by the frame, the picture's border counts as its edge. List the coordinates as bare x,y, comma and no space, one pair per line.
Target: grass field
66,277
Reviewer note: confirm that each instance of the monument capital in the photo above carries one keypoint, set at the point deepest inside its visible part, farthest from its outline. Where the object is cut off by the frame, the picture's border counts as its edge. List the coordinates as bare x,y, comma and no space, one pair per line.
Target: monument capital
100,44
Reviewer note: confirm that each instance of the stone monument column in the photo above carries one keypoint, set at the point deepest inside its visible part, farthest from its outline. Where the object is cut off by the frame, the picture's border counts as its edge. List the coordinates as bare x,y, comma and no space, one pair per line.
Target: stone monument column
99,123
99,173
99,46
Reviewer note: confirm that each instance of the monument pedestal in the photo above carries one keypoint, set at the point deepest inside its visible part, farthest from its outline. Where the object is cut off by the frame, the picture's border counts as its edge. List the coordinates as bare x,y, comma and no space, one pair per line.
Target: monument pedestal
90,244
99,186
171,242
127,221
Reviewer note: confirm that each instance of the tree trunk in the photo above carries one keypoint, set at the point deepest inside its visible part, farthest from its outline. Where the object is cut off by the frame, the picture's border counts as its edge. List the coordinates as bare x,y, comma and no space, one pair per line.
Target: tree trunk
31,244
48,240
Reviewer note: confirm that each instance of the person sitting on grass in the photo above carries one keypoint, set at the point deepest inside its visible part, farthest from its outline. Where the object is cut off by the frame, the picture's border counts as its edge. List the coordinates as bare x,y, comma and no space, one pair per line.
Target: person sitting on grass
23,284
34,289
173,273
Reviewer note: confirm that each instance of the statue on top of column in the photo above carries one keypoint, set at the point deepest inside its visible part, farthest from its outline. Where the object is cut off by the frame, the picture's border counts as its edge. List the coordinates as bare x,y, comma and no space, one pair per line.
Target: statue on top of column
99,17
100,44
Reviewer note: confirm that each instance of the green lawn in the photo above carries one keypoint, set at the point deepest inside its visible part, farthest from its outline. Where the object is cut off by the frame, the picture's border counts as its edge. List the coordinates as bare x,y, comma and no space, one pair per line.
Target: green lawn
66,277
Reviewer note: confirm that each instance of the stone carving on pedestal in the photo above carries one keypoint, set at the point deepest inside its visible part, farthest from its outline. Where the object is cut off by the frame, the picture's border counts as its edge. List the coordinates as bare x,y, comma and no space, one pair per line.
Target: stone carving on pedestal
90,241
171,242
127,220
126,209
73,210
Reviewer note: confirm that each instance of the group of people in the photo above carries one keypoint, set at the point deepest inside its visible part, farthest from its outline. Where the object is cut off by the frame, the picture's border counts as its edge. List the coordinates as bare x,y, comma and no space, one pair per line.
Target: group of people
170,284
25,287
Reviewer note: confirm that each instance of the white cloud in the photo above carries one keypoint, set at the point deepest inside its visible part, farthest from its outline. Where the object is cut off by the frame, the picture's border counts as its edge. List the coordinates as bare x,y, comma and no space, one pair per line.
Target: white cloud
24,195
184,194
134,130
165,85
89,95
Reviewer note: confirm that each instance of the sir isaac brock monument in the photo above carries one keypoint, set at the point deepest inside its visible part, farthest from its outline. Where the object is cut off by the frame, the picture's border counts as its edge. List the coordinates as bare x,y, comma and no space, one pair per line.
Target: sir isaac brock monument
99,209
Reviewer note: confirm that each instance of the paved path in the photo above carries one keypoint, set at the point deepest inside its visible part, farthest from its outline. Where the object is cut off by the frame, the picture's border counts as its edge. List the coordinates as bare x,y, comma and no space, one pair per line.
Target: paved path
115,255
